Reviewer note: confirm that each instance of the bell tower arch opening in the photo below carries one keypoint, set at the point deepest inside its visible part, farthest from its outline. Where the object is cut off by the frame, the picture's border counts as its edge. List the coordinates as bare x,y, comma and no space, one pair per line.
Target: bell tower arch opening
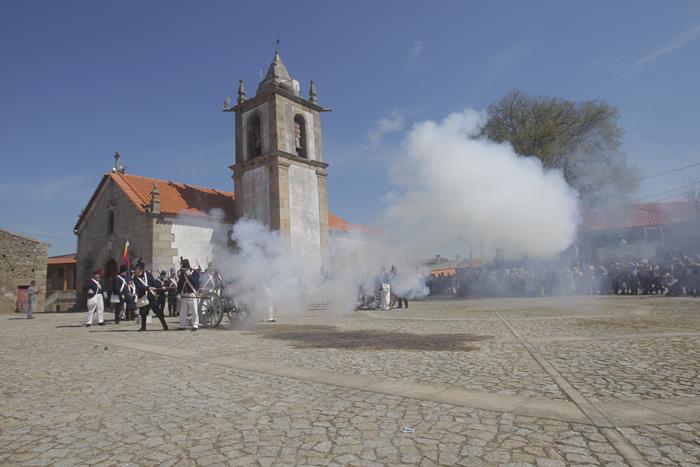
254,136
300,136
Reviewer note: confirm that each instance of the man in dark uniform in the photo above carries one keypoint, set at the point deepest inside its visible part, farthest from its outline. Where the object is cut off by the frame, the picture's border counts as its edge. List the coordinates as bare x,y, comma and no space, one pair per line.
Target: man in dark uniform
171,284
146,298
161,285
120,289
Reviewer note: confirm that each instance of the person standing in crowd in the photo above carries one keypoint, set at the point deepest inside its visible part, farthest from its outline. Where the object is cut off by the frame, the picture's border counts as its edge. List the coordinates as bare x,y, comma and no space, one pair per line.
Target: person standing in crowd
95,301
162,291
394,279
171,285
130,299
399,298
187,286
146,298
33,293
119,290
385,290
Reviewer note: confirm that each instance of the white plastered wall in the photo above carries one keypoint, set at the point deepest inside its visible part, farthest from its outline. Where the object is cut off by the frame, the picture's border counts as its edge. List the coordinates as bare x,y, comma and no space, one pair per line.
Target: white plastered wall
256,195
305,226
196,242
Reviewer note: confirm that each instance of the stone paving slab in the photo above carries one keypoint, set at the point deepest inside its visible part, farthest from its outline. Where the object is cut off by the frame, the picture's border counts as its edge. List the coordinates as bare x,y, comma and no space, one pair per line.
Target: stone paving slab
110,395
102,404
650,368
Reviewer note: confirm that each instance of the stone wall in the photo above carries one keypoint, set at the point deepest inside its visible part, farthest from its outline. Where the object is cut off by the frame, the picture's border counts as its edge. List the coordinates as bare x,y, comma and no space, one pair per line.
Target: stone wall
96,246
22,260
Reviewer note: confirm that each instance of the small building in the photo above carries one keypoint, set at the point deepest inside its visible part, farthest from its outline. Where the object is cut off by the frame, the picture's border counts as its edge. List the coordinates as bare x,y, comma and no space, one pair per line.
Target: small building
60,282
22,260
162,220
647,230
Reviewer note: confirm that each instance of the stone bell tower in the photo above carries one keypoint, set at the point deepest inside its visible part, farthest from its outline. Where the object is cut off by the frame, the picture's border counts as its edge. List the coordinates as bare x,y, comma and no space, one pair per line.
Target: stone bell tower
279,174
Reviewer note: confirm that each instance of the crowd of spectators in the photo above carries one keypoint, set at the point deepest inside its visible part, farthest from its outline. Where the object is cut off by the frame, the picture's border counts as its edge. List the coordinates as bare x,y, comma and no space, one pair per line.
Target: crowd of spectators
674,275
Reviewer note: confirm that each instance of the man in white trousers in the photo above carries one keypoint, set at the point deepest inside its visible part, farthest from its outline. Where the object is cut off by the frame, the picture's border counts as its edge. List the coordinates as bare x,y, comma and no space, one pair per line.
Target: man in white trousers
187,286
95,301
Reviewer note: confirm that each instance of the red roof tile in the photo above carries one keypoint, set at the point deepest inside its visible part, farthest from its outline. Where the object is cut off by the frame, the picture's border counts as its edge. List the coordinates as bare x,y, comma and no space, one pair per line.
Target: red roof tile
184,199
176,198
71,258
639,215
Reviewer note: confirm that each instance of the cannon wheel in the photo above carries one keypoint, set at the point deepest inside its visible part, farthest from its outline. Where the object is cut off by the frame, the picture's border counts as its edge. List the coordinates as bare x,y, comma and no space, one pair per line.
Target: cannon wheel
238,314
211,310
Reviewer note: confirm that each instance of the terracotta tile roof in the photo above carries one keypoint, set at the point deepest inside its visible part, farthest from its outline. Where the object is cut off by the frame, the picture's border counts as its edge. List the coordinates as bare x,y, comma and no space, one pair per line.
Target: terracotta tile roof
184,199
70,258
175,198
340,225
638,216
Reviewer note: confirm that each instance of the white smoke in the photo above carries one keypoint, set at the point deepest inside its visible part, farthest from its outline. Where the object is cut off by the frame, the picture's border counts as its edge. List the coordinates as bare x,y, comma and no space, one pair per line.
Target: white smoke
451,186
262,273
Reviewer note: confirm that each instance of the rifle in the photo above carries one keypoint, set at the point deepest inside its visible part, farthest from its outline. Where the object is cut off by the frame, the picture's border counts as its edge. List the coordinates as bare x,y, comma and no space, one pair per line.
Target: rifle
158,269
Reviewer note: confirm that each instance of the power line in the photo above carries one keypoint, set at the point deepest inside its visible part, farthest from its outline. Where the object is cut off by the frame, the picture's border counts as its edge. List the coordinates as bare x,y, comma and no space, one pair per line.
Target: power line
670,171
685,193
668,191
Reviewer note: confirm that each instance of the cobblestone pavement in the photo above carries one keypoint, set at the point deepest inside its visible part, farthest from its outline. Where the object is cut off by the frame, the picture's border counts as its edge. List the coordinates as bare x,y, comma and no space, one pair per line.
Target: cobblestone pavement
581,391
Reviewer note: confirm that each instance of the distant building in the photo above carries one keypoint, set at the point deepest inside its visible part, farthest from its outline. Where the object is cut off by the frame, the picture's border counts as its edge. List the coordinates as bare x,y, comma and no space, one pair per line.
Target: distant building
440,266
60,282
22,260
643,230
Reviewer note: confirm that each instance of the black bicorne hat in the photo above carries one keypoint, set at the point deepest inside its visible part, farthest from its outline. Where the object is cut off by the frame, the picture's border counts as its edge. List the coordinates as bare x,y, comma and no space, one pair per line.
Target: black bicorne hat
140,265
185,264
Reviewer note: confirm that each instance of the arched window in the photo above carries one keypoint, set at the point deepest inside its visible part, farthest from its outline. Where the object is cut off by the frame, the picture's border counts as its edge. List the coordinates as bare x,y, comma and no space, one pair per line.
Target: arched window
254,136
300,136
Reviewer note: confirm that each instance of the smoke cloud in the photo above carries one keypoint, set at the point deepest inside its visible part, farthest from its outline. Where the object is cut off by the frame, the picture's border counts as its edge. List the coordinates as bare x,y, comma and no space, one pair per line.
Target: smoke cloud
455,187
450,187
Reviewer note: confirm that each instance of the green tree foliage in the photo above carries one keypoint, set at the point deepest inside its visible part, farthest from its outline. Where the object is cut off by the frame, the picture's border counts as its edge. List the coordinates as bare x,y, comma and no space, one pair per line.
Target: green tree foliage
582,139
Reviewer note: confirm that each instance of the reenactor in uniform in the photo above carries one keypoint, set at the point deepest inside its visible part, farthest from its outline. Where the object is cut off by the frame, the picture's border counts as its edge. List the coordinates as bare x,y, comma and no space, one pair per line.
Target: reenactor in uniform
162,290
145,287
120,289
130,299
171,285
187,286
95,301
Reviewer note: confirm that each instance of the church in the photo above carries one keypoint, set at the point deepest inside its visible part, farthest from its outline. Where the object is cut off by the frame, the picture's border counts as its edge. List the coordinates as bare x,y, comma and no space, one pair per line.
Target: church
280,180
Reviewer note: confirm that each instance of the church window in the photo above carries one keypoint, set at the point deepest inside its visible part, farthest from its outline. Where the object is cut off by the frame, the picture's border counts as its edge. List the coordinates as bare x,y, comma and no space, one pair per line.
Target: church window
300,136
254,136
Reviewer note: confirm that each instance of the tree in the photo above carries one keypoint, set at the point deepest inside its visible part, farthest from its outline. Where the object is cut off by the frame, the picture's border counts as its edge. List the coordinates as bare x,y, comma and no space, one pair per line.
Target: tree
582,139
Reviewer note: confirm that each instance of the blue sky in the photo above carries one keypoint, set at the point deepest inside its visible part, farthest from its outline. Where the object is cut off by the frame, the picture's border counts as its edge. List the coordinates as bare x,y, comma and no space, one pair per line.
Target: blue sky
82,79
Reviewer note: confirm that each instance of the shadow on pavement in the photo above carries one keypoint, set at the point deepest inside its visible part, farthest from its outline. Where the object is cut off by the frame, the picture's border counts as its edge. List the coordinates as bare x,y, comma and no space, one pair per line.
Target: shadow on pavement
326,337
